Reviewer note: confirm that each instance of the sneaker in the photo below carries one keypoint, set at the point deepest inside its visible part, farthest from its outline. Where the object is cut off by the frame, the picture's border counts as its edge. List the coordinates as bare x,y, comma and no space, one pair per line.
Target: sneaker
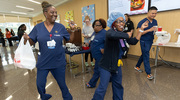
89,86
92,64
138,69
150,77
86,64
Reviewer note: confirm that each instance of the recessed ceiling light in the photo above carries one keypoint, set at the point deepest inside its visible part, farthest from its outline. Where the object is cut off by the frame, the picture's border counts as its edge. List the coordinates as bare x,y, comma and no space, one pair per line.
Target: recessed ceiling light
24,7
19,12
34,1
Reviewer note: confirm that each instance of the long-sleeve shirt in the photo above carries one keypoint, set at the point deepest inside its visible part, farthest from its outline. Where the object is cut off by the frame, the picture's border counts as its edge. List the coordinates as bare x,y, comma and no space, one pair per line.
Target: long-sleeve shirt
111,49
8,35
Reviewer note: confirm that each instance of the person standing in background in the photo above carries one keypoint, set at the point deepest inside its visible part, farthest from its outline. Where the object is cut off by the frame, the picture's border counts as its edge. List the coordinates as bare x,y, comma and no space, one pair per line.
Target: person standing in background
21,31
129,27
97,48
147,40
2,38
51,58
86,33
8,36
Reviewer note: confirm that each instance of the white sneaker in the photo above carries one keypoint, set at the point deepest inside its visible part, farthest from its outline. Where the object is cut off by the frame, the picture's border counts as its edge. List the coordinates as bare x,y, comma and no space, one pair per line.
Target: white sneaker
86,64
92,64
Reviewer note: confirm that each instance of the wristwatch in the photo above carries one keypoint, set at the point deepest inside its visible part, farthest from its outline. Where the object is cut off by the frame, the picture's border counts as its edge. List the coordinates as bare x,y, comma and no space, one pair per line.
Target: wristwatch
141,30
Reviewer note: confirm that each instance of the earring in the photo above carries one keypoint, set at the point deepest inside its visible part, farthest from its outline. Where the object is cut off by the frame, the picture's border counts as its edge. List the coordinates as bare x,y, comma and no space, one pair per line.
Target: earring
114,28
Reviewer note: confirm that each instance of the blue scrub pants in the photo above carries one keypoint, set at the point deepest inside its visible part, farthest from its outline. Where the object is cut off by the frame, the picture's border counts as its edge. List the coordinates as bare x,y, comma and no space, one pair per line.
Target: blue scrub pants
104,81
145,48
95,77
59,75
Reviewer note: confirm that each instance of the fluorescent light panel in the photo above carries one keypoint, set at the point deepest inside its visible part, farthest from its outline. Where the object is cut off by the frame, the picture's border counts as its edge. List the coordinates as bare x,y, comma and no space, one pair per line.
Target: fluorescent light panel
34,1
10,97
5,83
24,7
25,73
19,12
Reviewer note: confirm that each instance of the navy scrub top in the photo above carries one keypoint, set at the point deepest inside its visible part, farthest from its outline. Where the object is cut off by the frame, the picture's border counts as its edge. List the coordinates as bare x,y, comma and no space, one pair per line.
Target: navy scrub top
98,43
148,36
50,58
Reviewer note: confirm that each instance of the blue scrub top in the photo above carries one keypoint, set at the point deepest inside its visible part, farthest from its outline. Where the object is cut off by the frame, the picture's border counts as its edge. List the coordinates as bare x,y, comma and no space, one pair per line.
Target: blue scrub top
50,58
98,43
148,36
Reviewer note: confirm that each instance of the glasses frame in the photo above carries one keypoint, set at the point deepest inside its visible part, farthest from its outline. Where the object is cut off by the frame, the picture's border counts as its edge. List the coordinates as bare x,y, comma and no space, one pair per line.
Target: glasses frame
120,21
98,25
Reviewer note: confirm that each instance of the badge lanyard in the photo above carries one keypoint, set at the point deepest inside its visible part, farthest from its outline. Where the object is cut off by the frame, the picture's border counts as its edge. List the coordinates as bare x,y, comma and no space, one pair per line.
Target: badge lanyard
50,35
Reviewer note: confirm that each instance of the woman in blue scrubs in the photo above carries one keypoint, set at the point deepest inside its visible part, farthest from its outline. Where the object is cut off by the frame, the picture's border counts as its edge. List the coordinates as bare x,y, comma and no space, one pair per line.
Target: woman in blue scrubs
112,52
49,35
97,48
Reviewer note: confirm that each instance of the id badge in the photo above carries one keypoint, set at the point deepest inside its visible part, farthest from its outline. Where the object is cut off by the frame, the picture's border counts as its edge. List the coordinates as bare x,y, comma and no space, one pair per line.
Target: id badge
51,44
126,28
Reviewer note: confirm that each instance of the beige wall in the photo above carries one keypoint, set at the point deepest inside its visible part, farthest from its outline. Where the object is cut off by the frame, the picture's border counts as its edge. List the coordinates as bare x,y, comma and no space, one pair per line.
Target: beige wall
76,5
13,19
169,20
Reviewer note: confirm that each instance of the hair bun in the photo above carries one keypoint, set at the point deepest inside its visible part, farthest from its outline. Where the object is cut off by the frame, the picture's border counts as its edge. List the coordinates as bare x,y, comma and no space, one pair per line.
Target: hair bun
44,4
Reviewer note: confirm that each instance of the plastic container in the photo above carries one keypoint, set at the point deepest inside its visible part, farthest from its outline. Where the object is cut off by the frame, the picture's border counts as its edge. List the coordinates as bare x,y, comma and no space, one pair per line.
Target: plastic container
85,48
160,28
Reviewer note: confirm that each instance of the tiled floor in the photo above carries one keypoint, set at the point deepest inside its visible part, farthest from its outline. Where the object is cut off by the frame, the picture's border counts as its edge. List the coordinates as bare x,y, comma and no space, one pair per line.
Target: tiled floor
20,84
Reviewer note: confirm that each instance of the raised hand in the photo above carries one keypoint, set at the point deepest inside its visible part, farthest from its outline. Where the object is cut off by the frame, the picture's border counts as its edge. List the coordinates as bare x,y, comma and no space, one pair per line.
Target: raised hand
144,25
72,25
26,37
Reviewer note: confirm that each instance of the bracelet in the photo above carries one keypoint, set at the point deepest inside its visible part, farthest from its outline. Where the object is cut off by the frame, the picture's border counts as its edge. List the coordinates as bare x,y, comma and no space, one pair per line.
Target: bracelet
141,30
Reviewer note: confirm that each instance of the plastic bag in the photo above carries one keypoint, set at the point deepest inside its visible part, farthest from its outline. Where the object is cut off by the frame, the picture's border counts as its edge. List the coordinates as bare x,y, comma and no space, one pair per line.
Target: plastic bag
24,57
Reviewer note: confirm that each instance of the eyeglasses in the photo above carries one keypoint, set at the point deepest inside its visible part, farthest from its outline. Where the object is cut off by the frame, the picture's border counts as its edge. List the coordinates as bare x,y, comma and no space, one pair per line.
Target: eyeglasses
97,25
119,21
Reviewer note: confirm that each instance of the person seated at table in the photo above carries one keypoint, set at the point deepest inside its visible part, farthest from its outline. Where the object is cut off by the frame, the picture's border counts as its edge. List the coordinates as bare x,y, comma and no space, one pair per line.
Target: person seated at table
8,36
12,32
2,38
97,48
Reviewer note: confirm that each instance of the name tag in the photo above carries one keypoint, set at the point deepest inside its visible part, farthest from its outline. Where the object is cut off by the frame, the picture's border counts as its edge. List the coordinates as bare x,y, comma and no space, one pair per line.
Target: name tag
51,44
96,40
57,35
126,28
